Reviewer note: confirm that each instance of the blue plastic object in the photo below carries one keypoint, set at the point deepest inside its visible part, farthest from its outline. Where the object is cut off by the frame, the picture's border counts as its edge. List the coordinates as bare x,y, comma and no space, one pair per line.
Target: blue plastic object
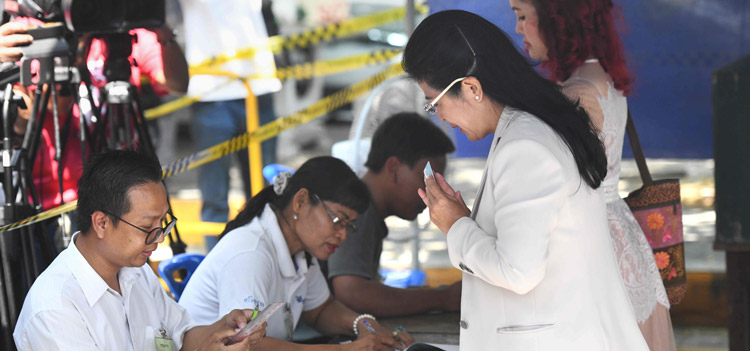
270,171
184,261
403,278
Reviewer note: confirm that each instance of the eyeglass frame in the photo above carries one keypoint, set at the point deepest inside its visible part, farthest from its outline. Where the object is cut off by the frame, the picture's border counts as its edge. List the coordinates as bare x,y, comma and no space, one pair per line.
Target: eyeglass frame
350,227
429,106
164,230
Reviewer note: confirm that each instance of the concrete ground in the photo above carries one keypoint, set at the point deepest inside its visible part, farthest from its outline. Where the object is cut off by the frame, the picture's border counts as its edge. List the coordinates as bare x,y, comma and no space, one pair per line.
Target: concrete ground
464,174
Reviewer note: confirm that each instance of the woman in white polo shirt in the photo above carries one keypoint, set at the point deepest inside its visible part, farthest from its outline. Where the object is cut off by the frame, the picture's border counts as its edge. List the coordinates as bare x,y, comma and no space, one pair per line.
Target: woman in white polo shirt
269,254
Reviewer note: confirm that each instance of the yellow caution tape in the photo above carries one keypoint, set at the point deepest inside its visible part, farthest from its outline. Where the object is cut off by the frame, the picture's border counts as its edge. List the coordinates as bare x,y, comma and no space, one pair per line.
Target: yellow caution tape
70,206
171,106
303,71
328,67
313,36
270,130
266,131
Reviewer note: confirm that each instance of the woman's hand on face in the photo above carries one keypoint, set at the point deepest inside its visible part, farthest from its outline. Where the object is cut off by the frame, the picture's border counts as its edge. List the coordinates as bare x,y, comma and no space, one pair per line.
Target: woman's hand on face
446,205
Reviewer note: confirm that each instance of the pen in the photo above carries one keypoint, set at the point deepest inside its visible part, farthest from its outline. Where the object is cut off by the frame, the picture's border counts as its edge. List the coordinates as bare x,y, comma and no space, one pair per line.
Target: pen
368,326
372,330
255,312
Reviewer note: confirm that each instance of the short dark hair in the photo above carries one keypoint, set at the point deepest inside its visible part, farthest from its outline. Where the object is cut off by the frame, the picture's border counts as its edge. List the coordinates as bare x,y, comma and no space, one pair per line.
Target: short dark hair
408,136
107,177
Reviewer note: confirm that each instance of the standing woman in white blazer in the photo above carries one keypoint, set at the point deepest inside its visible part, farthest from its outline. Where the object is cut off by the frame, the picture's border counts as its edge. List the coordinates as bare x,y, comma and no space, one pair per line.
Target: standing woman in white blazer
538,268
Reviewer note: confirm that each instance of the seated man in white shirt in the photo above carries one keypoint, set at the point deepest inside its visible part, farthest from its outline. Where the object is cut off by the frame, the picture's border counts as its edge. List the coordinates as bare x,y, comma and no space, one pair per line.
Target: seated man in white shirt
99,293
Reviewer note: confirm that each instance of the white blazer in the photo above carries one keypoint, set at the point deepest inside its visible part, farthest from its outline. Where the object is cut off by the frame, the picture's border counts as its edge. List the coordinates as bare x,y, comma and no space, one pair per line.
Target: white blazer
539,271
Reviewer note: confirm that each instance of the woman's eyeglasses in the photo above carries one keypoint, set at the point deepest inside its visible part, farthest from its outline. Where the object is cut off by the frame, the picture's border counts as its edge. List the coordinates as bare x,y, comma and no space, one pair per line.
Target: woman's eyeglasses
338,223
429,106
153,234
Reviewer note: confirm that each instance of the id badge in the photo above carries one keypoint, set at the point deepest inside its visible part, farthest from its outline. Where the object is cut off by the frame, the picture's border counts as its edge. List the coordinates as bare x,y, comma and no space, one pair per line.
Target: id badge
163,342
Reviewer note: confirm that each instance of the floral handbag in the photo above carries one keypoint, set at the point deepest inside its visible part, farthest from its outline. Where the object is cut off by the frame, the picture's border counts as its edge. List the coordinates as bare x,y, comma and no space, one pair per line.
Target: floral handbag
656,207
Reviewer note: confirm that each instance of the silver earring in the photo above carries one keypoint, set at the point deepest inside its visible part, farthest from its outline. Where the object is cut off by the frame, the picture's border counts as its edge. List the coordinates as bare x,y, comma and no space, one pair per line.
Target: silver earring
294,216
476,97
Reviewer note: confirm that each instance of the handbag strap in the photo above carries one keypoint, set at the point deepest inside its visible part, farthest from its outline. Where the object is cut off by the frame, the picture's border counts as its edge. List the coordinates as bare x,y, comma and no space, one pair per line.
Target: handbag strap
635,145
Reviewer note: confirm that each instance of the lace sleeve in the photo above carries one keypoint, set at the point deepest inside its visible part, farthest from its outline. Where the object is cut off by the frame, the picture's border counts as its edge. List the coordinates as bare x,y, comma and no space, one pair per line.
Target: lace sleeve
588,97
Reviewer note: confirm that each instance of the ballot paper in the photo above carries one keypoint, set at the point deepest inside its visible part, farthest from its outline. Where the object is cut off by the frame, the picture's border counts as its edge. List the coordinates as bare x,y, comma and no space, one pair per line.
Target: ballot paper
254,324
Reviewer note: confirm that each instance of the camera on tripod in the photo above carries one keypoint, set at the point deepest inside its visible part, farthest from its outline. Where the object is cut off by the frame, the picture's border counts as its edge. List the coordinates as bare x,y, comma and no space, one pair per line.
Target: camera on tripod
55,62
79,64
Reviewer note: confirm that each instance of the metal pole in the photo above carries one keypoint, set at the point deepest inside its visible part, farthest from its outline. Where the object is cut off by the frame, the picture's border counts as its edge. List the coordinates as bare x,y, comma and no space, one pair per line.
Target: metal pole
409,25
410,18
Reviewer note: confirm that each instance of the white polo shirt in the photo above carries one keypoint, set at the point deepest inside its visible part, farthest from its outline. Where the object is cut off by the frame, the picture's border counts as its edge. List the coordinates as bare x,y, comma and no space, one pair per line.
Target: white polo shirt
70,307
252,265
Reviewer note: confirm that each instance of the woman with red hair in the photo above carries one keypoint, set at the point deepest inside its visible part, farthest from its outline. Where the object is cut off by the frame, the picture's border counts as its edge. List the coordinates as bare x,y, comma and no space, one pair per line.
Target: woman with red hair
578,46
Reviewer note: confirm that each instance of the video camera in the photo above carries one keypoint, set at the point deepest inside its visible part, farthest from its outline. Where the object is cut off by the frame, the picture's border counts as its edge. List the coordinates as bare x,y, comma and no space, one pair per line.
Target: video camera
65,20
92,16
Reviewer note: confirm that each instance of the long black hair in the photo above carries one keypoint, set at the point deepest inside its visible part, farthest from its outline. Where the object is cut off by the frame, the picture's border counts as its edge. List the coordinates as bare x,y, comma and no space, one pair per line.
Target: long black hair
328,177
453,44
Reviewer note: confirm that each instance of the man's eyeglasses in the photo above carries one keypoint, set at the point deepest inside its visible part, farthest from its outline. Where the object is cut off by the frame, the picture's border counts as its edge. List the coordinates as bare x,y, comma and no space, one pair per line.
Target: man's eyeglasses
338,223
429,106
153,234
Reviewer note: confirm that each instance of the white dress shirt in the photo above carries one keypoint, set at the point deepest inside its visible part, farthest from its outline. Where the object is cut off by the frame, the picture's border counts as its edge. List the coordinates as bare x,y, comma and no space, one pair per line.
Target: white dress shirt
70,307
539,272
251,267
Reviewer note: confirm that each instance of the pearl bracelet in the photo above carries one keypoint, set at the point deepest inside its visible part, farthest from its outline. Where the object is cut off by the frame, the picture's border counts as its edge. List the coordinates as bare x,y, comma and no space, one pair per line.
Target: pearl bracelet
356,320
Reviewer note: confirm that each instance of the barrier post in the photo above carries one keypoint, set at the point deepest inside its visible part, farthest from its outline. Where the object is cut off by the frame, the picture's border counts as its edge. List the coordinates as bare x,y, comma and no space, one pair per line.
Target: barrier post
254,154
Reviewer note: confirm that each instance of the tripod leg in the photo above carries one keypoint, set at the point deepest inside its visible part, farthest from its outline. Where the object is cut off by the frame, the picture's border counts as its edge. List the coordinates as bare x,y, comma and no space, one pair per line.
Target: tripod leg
28,255
58,147
7,329
41,116
141,126
9,211
126,121
26,179
100,130
6,246
112,126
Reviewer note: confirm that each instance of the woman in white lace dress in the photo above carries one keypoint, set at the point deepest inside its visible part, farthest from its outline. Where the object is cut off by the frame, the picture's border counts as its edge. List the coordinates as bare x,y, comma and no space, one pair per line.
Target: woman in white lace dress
578,46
